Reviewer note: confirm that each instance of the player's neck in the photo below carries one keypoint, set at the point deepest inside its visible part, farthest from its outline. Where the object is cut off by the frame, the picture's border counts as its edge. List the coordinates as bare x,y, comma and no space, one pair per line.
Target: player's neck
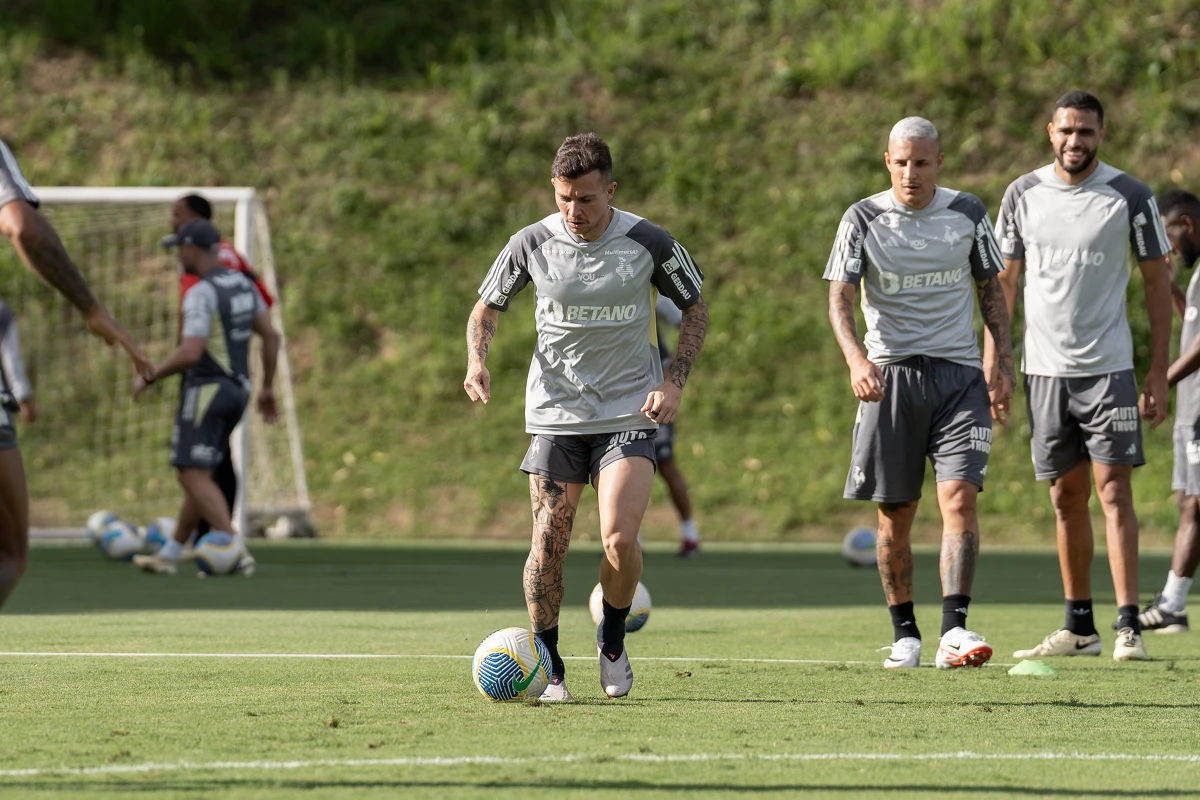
928,201
1076,178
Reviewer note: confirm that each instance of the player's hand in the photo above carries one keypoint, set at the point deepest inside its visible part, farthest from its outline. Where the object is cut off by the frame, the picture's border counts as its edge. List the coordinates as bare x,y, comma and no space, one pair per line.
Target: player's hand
102,324
29,410
663,403
139,385
1001,384
267,406
478,383
1153,402
867,381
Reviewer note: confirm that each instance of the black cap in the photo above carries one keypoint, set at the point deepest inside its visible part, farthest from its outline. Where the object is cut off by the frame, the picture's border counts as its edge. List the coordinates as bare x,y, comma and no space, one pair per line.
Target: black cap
199,232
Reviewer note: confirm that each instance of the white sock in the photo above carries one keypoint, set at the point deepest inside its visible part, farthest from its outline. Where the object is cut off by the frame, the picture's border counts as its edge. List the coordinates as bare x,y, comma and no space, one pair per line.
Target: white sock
171,550
1174,594
687,529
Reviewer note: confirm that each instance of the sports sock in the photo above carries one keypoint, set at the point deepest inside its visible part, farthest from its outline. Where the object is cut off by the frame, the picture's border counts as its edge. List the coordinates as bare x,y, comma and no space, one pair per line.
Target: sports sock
1127,617
687,530
1174,594
954,612
549,638
904,621
1079,618
614,630
171,551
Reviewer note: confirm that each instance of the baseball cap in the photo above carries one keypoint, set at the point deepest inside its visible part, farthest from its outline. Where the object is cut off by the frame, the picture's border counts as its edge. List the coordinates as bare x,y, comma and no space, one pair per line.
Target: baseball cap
199,232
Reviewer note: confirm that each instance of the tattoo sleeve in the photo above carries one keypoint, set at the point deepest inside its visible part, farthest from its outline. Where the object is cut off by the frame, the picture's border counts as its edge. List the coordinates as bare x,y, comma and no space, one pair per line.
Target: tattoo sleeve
893,551
841,318
481,329
960,551
691,339
43,252
553,517
994,307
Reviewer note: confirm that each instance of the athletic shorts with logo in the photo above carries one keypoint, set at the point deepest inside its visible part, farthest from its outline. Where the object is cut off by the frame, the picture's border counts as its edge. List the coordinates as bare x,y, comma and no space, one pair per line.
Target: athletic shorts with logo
1080,419
931,408
204,419
579,458
1186,477
664,443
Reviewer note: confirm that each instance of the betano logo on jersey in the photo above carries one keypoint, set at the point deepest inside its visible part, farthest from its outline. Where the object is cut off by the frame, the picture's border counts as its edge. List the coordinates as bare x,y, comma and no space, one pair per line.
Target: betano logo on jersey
1068,257
599,313
891,283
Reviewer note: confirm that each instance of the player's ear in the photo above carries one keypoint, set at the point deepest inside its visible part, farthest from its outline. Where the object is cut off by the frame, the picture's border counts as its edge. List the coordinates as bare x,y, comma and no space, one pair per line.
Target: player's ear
941,158
612,188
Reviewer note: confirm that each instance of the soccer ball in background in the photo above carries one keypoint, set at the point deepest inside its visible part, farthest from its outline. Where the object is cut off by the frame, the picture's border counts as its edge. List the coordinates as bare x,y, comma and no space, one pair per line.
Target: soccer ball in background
218,553
119,540
511,664
639,611
96,524
859,547
157,533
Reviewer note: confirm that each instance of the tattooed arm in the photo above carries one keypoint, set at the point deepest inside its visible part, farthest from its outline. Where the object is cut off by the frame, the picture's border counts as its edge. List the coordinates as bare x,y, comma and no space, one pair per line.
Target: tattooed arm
996,316
663,403
866,379
481,328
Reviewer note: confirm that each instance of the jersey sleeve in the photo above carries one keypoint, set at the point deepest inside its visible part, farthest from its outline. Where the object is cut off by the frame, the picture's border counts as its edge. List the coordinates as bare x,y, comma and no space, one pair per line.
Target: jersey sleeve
677,277
506,278
199,306
985,258
1147,235
1007,232
847,260
13,185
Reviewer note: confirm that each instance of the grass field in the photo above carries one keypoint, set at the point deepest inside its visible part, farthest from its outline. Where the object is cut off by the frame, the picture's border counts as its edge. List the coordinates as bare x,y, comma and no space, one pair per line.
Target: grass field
757,674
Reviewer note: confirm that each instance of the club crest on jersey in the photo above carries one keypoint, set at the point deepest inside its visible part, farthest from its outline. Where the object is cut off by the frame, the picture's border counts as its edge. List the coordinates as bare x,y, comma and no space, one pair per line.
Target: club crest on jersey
624,269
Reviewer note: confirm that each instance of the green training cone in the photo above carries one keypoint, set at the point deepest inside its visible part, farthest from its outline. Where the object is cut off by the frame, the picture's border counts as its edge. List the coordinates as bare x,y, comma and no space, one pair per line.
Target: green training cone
1033,668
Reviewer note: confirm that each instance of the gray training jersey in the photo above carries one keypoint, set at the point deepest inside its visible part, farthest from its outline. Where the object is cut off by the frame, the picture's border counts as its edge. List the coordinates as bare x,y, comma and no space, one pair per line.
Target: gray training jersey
1075,242
917,268
597,354
13,185
1187,391
221,308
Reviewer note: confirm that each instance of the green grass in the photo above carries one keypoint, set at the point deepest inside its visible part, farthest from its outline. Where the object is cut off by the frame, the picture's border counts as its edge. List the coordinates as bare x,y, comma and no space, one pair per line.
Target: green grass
768,602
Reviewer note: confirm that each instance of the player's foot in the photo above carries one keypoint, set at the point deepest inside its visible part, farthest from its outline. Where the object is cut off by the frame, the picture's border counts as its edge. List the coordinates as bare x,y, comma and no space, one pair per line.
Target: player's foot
616,675
556,692
906,652
960,647
1064,643
155,564
246,566
1155,617
688,549
1129,646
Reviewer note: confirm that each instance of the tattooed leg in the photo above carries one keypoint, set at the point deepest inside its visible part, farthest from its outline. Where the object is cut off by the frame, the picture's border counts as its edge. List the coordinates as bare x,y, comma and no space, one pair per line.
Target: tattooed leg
960,535
554,505
893,549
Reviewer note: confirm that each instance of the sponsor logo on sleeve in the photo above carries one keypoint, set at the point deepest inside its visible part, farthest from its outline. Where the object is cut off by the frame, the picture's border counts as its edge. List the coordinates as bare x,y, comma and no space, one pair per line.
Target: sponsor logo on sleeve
1139,222
683,292
671,264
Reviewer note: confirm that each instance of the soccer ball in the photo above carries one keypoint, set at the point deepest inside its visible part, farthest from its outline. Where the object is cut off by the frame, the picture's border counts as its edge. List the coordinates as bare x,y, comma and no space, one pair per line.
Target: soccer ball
158,533
119,540
639,611
511,664
218,553
96,524
859,547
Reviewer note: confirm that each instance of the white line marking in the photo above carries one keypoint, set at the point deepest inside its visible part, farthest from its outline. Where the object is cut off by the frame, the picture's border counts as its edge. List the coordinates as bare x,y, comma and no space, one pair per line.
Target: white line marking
644,758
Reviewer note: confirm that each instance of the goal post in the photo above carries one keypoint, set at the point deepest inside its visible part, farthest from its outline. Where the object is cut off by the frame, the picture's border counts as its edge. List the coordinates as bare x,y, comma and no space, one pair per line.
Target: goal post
92,446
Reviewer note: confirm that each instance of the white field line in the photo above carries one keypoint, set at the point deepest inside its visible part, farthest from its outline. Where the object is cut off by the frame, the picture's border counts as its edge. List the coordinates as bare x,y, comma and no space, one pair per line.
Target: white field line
642,758
368,656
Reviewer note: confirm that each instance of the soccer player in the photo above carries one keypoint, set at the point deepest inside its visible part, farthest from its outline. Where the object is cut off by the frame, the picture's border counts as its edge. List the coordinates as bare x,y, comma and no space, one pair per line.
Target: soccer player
39,248
1072,223
219,315
916,249
15,381
668,314
596,392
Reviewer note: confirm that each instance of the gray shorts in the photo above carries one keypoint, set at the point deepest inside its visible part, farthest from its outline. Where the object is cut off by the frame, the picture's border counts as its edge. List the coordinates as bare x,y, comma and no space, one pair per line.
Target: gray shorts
579,459
664,443
1081,419
204,419
931,408
1186,476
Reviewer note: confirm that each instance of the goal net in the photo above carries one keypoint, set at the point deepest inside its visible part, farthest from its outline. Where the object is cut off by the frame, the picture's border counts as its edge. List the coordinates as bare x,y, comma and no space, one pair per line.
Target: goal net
92,447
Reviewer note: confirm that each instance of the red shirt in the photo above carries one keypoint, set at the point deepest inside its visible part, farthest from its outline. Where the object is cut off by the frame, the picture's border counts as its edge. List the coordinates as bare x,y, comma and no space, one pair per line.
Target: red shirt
230,259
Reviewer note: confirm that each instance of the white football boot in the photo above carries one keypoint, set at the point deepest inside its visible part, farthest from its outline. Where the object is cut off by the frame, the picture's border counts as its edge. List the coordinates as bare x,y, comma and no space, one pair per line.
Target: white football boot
1129,646
1064,643
616,677
960,647
906,652
556,692
155,564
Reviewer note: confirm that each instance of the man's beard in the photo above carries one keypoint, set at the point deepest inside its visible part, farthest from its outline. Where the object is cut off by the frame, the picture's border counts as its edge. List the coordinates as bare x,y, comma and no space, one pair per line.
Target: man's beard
1089,157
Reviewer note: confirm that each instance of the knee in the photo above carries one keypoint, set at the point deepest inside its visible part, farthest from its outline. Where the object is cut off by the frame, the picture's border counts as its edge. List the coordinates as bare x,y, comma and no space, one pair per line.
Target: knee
1189,506
1067,497
959,499
1116,495
621,548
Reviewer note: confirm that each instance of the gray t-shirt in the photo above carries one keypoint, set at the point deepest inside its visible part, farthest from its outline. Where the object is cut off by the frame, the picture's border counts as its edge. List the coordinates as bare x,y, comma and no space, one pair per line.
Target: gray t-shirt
13,185
221,308
597,354
11,364
1075,242
918,269
1187,391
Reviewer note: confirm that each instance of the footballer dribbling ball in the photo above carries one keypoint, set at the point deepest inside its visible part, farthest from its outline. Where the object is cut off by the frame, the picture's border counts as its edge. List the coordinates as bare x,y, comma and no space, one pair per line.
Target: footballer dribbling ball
511,664
218,553
859,547
120,541
157,533
639,610
96,524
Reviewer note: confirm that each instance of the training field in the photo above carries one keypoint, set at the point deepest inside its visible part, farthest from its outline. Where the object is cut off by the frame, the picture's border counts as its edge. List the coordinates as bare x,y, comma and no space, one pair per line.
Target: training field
344,668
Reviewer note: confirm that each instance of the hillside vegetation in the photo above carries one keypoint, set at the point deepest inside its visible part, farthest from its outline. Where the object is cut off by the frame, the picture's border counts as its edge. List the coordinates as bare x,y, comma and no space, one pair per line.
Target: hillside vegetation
743,127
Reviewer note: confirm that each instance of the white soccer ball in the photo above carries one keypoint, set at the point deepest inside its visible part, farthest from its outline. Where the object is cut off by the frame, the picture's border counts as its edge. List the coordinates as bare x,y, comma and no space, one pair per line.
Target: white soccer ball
120,541
157,533
511,664
859,547
639,611
96,524
218,553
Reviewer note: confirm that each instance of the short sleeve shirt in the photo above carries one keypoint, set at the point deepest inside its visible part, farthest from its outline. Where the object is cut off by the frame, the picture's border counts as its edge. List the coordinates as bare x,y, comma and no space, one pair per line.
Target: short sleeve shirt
13,185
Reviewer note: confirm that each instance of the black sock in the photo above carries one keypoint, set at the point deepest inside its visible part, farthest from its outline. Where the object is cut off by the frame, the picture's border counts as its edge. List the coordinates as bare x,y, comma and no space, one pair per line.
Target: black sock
614,630
1079,618
549,638
904,621
1127,617
954,612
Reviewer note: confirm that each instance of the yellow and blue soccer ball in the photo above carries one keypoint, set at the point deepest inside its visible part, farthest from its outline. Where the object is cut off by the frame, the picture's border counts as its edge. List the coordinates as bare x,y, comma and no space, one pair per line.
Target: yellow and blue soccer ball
218,553
119,540
157,533
639,611
858,547
96,524
512,664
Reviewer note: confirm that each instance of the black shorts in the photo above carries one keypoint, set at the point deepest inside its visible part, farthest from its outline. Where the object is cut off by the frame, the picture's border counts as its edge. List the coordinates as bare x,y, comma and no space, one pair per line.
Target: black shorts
206,416
579,459
664,443
1083,419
